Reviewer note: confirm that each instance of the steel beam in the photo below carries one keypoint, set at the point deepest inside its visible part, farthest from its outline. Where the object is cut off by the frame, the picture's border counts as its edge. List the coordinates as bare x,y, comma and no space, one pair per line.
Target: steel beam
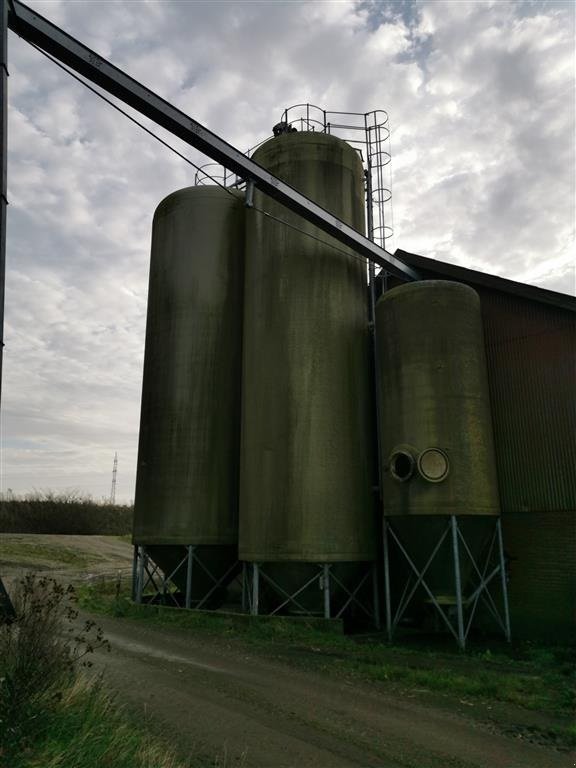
387,594
504,581
326,588
458,582
140,579
255,590
37,30
189,567
3,164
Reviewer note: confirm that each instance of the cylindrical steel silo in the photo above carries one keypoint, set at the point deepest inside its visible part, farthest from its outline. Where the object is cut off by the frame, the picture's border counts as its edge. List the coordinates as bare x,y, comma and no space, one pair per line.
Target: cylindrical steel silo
435,420
305,490
187,477
437,449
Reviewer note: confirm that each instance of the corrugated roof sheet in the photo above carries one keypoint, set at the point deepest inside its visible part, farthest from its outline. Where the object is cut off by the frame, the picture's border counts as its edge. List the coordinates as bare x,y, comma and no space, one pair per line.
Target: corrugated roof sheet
473,277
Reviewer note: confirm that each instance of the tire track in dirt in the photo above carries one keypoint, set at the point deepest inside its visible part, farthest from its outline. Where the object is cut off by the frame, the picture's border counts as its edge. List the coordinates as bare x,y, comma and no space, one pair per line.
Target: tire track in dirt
220,700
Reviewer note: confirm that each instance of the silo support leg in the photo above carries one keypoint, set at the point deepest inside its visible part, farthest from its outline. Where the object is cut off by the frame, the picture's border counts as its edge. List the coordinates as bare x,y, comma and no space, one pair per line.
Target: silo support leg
326,588
135,573
189,569
140,576
458,582
376,596
503,581
387,583
245,587
255,589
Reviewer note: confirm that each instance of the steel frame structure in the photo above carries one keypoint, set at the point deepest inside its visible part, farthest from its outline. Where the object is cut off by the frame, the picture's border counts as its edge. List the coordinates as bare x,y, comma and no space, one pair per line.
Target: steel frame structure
490,566
146,573
253,574
39,31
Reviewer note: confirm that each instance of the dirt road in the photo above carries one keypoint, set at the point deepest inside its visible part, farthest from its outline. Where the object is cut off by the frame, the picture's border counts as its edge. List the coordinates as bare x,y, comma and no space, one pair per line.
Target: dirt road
224,702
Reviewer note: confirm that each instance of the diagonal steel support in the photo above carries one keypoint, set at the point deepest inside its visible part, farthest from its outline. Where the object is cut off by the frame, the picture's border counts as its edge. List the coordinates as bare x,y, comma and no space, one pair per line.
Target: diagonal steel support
420,577
40,32
352,596
425,586
324,578
486,573
290,597
222,580
147,572
486,596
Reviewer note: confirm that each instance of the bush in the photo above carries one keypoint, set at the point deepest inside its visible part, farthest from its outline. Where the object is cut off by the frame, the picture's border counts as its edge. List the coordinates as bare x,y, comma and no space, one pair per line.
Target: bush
40,653
63,513
50,715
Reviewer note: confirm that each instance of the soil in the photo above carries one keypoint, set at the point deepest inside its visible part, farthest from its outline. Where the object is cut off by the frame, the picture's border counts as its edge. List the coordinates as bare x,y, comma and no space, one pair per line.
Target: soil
228,706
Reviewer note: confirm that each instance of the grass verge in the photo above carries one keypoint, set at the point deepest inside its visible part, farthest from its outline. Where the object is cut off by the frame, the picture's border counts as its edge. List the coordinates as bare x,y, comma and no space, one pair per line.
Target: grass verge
82,727
51,714
28,552
532,677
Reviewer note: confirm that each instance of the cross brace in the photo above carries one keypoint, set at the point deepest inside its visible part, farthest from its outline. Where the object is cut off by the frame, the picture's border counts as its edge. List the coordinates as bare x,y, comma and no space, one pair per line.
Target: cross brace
485,571
322,579
146,573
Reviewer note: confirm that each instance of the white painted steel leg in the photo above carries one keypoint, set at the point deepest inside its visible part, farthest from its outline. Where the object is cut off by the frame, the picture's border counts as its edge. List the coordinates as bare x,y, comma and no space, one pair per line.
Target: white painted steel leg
458,582
326,588
504,581
140,579
244,586
255,588
387,582
189,568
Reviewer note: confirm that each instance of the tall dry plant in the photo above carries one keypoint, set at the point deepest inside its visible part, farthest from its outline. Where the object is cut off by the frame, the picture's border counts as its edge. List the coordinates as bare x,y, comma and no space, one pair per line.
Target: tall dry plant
40,653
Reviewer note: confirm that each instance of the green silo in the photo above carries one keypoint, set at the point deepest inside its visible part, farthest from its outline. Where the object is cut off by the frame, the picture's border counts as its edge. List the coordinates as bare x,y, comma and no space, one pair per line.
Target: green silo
435,419
187,476
305,488
437,452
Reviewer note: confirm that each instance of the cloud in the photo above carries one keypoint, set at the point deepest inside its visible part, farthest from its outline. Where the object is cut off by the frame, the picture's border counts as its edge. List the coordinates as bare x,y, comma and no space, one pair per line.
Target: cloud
481,104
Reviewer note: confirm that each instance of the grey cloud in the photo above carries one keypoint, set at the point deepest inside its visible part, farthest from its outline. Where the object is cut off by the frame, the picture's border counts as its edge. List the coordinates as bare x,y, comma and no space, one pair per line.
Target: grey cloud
479,98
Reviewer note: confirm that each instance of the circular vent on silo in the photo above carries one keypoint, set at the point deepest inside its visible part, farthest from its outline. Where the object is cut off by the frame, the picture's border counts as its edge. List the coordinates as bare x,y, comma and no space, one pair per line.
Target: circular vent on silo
433,465
401,465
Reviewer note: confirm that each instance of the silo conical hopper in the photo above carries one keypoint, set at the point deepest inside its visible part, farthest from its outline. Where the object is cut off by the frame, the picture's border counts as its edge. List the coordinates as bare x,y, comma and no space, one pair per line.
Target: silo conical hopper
187,476
435,422
305,491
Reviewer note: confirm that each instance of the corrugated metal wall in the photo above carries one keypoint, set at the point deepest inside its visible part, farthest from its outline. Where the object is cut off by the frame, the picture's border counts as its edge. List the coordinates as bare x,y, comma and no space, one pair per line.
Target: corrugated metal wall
531,355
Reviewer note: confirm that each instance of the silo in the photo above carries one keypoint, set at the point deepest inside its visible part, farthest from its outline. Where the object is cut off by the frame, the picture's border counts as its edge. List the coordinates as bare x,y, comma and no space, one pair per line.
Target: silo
437,453
436,425
187,476
305,489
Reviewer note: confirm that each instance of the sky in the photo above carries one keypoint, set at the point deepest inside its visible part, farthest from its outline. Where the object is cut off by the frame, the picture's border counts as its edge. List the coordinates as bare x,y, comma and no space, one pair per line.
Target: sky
480,97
